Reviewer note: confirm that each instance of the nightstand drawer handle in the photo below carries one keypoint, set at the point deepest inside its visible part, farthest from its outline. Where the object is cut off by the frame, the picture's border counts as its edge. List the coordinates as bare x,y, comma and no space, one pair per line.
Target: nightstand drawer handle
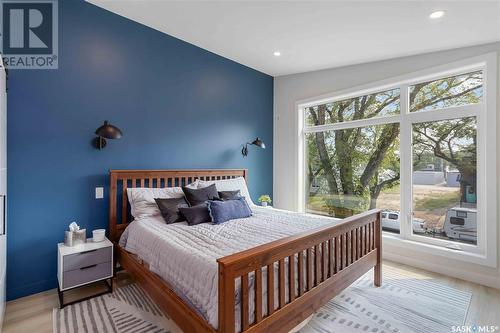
90,266
89,251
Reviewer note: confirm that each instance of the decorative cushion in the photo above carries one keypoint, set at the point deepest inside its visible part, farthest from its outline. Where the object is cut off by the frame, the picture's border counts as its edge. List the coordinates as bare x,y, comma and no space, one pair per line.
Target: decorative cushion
142,199
222,211
194,184
196,214
169,209
229,195
198,196
232,184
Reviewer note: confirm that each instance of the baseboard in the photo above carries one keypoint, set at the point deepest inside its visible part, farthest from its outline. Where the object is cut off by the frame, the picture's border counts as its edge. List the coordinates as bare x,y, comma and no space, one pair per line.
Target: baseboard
30,289
449,270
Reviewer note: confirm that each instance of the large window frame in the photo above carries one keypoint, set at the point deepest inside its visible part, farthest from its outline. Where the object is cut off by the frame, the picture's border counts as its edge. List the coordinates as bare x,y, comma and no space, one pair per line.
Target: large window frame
485,252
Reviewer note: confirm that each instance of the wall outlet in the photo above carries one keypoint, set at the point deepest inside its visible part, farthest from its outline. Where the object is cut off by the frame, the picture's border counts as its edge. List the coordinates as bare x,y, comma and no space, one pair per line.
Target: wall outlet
99,192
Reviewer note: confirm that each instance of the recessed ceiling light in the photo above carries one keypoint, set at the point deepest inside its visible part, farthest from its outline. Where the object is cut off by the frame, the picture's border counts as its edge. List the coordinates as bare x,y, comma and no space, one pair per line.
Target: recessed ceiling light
437,14
277,53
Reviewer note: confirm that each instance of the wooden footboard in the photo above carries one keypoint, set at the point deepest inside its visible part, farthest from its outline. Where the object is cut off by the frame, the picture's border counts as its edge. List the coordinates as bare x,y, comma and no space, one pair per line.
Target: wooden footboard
318,265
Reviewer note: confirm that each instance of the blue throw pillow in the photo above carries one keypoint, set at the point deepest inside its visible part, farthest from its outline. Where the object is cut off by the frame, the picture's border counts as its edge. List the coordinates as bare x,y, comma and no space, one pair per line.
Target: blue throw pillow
222,211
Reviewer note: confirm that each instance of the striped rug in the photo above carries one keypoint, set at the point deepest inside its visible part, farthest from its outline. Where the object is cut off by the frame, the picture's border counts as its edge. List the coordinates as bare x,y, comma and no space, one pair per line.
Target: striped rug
404,304
128,309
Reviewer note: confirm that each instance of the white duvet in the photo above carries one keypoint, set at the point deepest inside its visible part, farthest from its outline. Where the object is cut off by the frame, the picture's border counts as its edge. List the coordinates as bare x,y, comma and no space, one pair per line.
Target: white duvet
185,256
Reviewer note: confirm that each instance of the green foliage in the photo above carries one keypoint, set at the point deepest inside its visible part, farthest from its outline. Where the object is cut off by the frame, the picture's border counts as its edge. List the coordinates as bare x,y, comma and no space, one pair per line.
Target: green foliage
265,198
451,141
452,91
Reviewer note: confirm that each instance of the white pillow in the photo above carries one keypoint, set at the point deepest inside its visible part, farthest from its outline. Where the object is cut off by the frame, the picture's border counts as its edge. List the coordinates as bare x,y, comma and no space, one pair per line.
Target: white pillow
232,184
142,199
194,185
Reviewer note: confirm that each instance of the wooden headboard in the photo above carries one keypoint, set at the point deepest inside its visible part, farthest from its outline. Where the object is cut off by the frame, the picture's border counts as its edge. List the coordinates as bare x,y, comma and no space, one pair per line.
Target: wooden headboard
120,180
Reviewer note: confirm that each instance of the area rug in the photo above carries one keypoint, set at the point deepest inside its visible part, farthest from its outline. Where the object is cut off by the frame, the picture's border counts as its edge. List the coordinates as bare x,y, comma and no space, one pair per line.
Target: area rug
403,304
127,309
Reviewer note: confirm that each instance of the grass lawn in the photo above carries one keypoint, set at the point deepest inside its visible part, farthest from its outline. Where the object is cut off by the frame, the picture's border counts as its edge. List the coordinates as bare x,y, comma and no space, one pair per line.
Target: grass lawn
436,200
431,202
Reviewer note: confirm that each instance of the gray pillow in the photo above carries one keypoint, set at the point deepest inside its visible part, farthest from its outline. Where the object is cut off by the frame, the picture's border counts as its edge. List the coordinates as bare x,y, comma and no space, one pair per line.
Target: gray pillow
222,211
229,195
196,214
169,209
198,196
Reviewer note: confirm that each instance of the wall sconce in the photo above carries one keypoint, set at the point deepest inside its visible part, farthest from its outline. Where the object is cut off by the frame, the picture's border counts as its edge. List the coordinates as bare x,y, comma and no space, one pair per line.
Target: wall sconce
106,131
257,142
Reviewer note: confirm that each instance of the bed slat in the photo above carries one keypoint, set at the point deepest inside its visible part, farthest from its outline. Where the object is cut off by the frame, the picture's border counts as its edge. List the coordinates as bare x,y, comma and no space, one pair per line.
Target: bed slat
364,241
354,245
348,249
324,267
337,254
281,279
258,295
270,289
124,202
291,277
330,258
244,302
300,272
317,265
358,245
309,269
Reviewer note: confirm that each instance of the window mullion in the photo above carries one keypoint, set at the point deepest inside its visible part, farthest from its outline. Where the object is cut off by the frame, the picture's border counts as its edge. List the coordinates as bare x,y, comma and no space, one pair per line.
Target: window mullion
405,165
456,112
353,124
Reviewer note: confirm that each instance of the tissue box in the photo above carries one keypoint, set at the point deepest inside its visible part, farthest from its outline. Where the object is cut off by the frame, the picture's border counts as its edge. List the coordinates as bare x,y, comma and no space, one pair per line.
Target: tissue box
73,238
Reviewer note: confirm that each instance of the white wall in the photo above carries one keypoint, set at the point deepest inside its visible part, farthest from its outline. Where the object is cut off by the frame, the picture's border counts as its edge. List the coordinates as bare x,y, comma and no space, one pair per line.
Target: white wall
292,88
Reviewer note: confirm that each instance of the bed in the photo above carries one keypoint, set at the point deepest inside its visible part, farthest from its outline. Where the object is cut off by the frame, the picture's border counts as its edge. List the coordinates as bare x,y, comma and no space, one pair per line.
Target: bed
216,278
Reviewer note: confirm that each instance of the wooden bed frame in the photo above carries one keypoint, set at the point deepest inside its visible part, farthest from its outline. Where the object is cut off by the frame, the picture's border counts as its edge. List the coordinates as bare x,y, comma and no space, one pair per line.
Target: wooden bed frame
326,261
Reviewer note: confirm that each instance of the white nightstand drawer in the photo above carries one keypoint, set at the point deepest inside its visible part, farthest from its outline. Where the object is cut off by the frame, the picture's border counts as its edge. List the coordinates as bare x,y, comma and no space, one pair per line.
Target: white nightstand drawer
86,258
87,274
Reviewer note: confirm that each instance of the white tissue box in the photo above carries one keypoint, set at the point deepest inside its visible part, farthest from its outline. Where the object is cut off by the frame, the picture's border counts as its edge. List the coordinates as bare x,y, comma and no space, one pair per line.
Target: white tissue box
73,238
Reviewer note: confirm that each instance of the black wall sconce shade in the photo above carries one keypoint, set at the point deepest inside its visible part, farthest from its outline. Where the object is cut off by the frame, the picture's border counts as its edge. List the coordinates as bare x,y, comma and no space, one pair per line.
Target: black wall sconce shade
106,131
257,142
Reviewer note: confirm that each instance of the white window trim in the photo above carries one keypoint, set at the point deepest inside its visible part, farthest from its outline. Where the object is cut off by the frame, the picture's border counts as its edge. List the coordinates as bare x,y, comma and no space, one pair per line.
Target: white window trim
485,112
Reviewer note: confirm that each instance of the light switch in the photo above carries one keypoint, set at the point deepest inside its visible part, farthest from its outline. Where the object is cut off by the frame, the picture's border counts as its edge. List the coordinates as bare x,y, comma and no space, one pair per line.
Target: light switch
99,192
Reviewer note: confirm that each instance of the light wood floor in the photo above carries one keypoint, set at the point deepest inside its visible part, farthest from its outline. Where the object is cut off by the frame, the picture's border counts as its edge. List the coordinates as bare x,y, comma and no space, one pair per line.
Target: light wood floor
34,313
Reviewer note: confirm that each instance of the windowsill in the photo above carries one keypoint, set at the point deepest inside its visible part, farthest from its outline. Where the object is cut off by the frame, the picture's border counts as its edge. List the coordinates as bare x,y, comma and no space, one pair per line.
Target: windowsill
475,258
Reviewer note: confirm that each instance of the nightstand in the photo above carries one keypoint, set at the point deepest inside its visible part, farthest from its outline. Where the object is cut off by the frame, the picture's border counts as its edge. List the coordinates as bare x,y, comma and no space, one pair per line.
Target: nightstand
83,264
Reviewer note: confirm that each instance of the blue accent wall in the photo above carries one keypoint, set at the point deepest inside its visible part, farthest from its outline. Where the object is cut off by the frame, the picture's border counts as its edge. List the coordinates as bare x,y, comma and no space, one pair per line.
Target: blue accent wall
178,106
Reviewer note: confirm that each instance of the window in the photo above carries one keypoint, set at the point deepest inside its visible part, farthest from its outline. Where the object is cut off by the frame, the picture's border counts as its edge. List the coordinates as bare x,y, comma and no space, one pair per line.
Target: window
356,169
445,178
380,104
416,149
457,90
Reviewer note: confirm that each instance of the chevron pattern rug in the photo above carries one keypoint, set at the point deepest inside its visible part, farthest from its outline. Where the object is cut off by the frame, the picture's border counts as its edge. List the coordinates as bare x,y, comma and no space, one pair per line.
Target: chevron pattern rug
402,305
127,309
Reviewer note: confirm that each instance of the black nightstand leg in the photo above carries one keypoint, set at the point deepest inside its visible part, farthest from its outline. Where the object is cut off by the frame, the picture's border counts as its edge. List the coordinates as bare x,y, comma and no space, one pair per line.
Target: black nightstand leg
61,297
107,291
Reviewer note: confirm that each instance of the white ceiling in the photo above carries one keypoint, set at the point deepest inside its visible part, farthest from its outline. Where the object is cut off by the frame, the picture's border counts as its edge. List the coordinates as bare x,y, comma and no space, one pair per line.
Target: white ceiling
314,35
